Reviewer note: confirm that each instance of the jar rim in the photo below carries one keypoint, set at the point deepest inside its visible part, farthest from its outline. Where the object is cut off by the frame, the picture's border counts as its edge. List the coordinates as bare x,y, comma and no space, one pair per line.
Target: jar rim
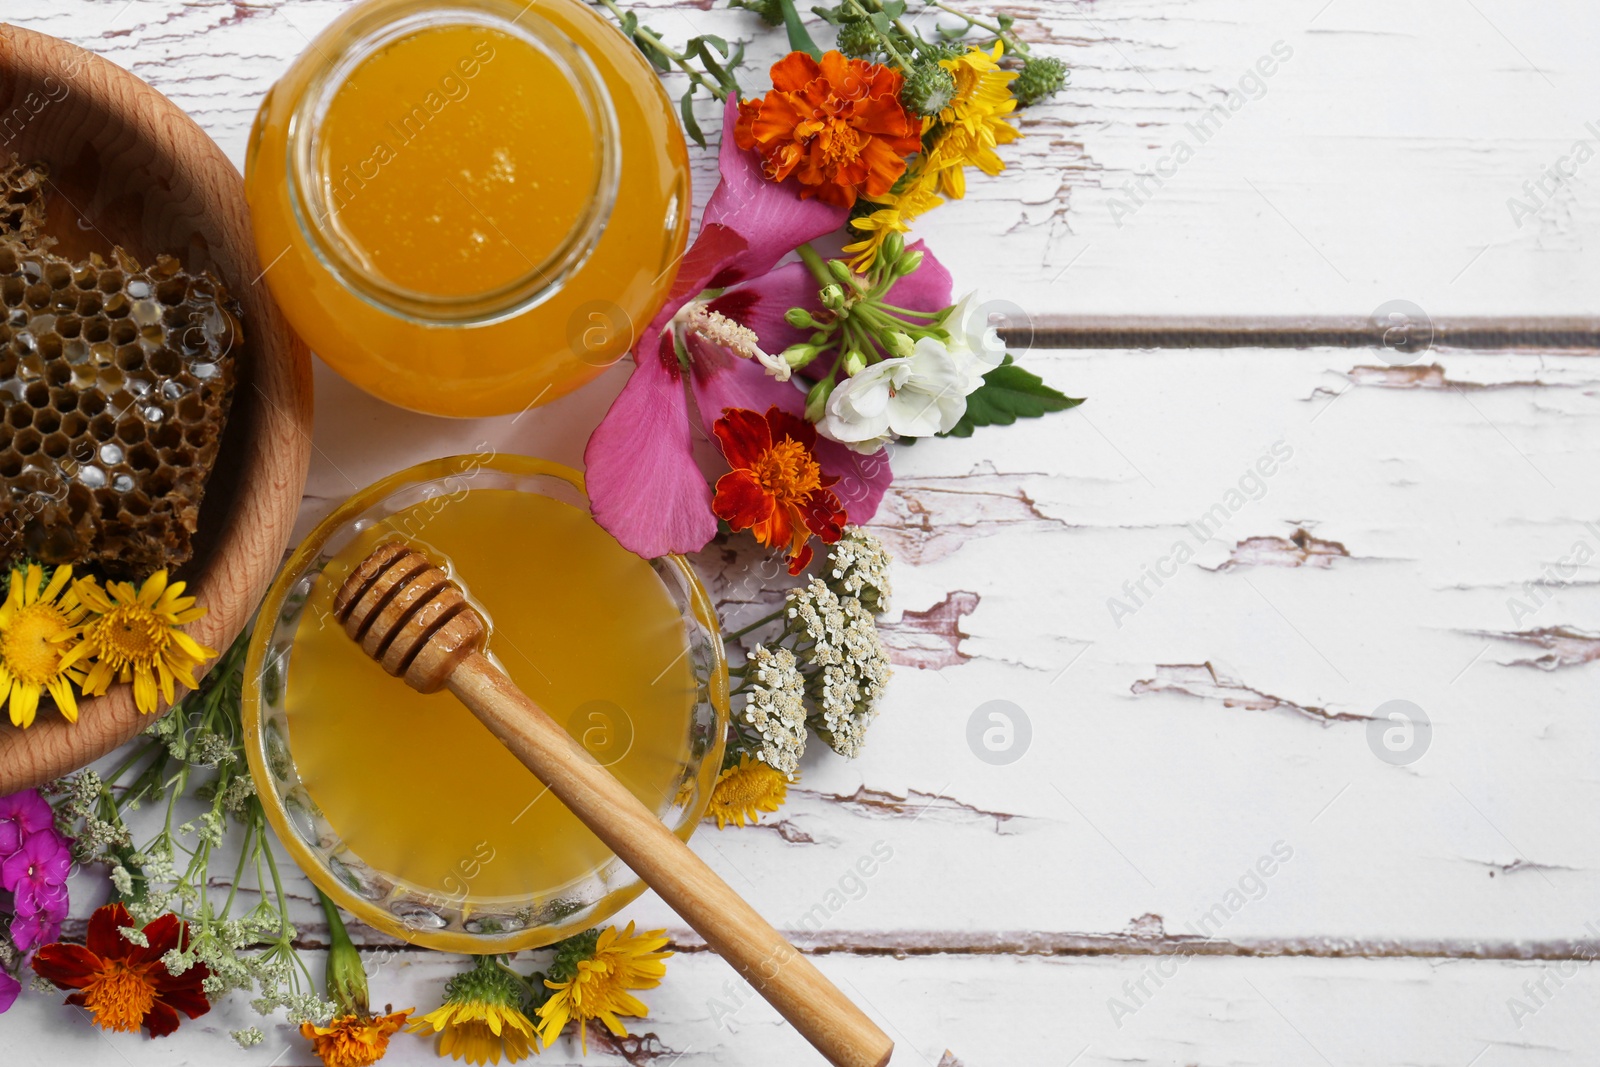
308,185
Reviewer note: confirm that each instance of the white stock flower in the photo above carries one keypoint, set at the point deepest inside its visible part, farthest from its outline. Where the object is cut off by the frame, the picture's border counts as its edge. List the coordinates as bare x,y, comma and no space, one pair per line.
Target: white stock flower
975,342
918,395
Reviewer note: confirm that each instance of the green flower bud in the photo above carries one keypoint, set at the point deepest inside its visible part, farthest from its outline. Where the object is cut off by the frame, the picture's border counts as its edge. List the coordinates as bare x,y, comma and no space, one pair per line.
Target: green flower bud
900,344
855,361
800,319
346,978
1041,77
928,90
798,356
893,247
860,39
817,400
841,270
832,297
907,264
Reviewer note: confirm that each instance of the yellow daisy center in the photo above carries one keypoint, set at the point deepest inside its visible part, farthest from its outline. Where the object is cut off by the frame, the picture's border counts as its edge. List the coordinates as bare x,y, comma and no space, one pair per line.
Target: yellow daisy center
130,634
31,647
119,997
745,789
788,472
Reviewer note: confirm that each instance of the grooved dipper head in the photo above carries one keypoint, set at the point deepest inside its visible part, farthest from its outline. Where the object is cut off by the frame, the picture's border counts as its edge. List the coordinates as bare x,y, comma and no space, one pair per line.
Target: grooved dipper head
409,616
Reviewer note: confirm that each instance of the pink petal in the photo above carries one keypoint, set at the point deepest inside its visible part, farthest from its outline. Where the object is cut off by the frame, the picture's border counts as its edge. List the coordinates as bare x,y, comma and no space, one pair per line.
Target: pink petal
9,988
770,215
644,486
716,246
862,479
762,302
721,380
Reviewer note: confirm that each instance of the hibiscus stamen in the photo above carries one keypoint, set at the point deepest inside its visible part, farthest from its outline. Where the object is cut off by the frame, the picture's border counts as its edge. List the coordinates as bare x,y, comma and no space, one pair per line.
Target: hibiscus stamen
697,318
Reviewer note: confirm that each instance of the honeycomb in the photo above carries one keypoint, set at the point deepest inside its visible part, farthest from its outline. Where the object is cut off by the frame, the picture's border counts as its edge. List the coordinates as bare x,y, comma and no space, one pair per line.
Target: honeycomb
115,384
22,202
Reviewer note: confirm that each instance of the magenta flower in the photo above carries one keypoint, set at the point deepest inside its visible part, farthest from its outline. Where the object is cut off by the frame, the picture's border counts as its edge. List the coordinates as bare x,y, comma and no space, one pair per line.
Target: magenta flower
644,484
36,873
9,988
28,932
22,814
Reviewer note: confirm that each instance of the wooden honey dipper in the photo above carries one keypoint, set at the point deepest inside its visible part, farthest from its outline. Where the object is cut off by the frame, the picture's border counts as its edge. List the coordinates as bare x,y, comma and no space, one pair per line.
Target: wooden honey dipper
409,616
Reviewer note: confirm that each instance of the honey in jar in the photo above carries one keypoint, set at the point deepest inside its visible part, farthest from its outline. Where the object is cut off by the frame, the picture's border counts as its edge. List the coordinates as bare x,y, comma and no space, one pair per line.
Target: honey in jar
469,207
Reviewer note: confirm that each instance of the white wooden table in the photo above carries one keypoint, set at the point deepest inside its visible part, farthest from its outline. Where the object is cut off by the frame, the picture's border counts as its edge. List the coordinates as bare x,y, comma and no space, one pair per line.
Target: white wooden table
1434,909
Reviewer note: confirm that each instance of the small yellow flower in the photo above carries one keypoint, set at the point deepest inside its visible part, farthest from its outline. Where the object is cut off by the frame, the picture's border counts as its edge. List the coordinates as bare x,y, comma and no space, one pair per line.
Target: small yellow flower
918,197
40,635
481,1018
600,989
133,636
354,1040
967,131
746,789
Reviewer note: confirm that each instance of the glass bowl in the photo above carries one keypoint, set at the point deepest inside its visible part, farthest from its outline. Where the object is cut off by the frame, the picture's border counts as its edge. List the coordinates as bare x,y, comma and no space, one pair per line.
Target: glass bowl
450,915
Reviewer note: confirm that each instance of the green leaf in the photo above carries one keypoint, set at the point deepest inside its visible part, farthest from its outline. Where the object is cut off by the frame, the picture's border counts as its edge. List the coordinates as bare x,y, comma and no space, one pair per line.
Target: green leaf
1009,393
894,8
880,22
652,51
686,107
630,24
799,39
716,42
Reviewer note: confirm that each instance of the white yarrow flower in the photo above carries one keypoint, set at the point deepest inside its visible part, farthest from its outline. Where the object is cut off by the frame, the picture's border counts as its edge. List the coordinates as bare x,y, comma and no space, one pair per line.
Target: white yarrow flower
776,707
858,565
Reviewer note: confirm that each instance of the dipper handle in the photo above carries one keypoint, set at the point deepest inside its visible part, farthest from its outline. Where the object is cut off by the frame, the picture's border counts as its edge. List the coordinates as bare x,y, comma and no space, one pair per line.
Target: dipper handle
412,619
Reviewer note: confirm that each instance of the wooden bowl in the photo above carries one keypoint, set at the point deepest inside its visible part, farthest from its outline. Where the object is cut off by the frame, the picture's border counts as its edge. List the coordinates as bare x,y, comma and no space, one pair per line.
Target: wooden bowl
149,179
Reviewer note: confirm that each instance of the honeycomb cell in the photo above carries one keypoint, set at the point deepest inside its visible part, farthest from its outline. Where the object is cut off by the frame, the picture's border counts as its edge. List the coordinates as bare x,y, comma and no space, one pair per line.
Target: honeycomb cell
115,381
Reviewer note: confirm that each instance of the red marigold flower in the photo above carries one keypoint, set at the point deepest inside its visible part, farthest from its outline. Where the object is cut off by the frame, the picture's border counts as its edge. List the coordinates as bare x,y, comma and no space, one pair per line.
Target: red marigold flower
776,488
124,985
837,125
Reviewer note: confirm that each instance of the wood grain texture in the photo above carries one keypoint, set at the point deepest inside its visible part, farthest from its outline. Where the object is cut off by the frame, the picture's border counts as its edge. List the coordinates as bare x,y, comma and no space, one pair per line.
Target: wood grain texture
152,180
1419,545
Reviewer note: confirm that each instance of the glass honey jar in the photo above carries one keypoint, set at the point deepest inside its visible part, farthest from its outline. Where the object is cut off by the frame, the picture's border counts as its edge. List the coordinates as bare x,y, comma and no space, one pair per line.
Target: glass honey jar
469,207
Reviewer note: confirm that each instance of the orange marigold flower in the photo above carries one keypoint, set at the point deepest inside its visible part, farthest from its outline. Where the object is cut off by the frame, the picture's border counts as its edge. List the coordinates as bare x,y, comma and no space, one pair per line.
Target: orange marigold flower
125,985
837,125
776,488
354,1040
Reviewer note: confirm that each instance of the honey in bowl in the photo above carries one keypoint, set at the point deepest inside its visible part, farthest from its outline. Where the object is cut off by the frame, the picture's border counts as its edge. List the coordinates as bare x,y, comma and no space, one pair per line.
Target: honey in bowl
414,786
469,206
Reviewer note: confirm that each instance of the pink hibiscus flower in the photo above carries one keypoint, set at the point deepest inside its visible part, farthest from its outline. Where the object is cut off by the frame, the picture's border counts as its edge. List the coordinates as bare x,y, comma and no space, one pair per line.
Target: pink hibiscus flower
644,484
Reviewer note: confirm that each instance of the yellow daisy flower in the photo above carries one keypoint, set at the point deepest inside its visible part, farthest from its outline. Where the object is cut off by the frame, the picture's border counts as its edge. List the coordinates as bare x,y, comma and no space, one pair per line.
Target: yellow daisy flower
967,131
746,789
133,636
917,198
600,988
40,635
481,1018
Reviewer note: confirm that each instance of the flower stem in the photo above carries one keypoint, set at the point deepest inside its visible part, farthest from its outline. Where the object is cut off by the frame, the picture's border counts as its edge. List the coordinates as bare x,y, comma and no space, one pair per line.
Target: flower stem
1012,41
774,617
814,262
679,60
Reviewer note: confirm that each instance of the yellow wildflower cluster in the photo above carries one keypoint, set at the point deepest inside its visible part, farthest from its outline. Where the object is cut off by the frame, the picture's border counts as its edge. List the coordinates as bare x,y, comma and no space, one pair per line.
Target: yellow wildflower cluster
964,133
593,979
70,637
